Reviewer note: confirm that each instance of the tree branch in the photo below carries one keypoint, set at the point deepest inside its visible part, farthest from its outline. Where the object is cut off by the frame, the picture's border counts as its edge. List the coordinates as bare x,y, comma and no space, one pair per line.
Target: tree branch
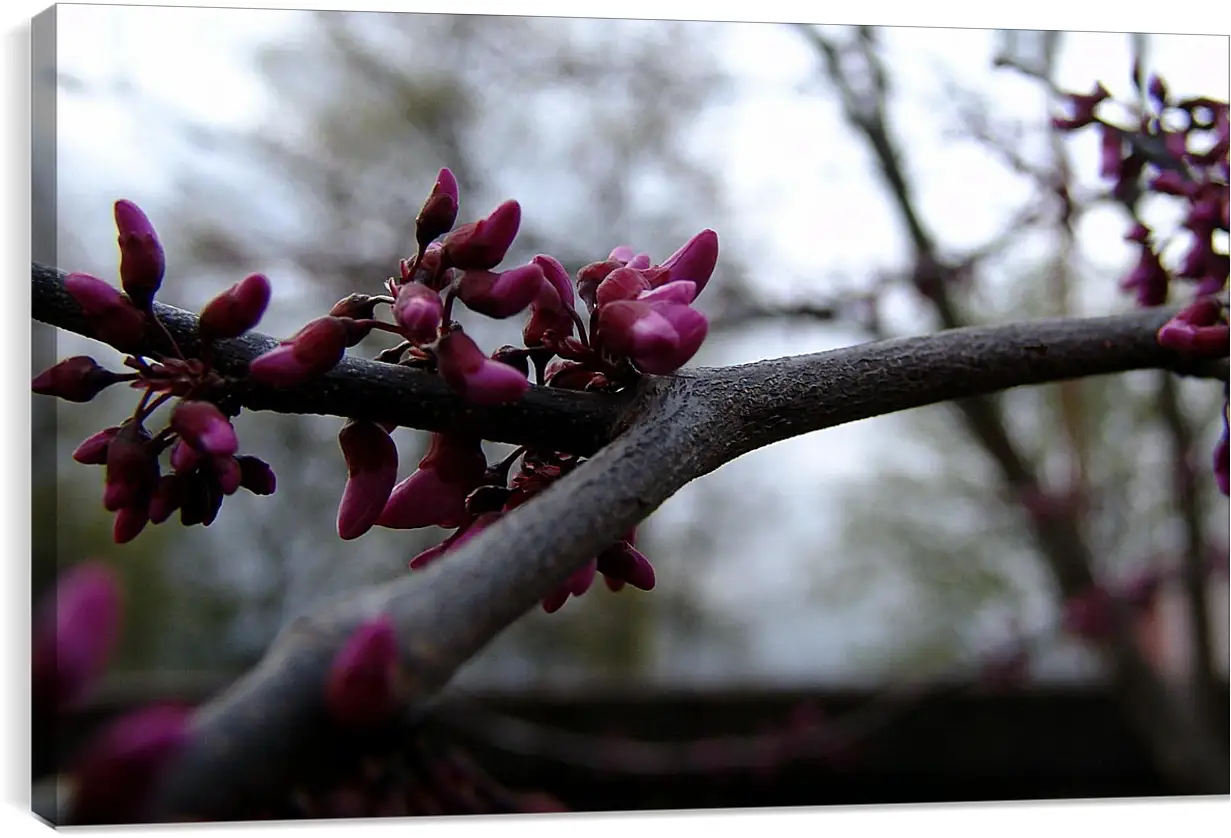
1179,741
358,388
249,741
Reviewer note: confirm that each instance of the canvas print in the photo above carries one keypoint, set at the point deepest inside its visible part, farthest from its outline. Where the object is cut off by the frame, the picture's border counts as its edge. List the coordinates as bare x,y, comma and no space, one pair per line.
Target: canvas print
443,414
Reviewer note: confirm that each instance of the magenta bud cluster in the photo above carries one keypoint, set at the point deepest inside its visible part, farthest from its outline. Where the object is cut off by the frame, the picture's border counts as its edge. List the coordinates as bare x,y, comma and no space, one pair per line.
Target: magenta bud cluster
639,318
1177,148
76,631
198,439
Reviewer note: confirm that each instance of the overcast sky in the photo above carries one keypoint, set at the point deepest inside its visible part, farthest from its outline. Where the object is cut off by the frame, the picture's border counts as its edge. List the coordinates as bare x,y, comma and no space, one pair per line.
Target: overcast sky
196,62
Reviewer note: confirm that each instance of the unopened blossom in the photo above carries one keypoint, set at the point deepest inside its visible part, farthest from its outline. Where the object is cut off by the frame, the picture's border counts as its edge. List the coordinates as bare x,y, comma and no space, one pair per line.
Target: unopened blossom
679,292
553,309
659,336
1082,105
256,476
623,563
419,311
474,376
504,294
111,315
1149,280
435,494
75,634
115,775
142,261
132,468
130,521
1112,153
467,531
168,496
235,310
93,449
576,585
482,245
362,684
77,379
695,260
1201,328
314,350
591,276
371,469
228,473
203,426
439,211
622,284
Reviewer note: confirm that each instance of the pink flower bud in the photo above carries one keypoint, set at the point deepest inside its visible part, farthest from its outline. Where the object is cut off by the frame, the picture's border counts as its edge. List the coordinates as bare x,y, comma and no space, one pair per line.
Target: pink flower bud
431,270
132,469
228,474
256,476
93,450
419,311
501,295
475,377
74,634
680,292
468,530
1149,279
557,277
314,350
481,245
116,773
1171,182
130,521
622,284
591,276
202,425
1083,105
183,457
1199,329
439,211
362,687
435,494
696,260
168,496
576,585
112,316
660,337
142,261
235,310
77,379
1112,153
626,563
544,320
202,499
372,469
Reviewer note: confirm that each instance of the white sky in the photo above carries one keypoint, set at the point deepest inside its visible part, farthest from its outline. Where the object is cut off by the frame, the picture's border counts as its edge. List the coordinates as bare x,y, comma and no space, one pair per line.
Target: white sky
196,60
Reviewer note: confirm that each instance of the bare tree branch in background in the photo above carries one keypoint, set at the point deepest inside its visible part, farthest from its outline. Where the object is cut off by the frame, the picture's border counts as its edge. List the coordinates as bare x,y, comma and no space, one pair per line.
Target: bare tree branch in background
1182,742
